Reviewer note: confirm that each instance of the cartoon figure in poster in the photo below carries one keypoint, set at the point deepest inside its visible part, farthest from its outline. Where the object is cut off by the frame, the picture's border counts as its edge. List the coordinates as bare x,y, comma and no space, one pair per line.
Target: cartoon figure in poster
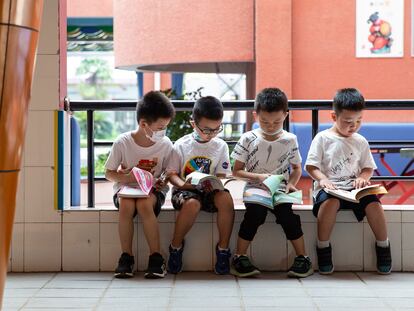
380,35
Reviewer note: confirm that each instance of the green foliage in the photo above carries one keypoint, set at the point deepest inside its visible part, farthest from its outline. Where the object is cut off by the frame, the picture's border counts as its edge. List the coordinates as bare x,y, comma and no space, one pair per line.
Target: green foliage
99,166
97,72
180,125
103,129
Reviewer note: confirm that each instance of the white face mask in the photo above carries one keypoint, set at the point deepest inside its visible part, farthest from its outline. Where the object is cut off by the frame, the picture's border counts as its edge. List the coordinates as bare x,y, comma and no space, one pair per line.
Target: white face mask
274,133
156,135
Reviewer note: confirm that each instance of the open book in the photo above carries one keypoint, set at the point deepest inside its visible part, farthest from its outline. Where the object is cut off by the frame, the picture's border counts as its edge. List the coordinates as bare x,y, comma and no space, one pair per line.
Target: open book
204,181
356,194
145,182
269,194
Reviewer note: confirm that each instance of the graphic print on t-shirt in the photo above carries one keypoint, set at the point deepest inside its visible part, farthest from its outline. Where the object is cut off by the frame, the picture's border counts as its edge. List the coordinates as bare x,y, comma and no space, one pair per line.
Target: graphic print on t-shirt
147,164
201,164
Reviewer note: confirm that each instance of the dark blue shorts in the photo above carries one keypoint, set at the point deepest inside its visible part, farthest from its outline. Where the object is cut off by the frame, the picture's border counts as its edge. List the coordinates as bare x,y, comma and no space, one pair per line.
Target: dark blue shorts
158,204
357,208
206,199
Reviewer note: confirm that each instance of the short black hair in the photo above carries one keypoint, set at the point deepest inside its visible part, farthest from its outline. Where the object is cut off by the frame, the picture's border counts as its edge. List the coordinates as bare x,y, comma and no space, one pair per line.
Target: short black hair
153,106
348,99
271,99
207,107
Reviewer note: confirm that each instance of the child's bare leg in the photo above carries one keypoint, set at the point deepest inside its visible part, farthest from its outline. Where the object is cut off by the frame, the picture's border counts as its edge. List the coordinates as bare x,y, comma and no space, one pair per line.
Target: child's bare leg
299,246
225,217
376,220
145,208
185,220
126,224
327,218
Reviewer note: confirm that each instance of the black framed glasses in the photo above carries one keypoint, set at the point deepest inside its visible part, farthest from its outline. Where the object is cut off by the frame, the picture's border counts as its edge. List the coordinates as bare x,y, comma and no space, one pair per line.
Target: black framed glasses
209,131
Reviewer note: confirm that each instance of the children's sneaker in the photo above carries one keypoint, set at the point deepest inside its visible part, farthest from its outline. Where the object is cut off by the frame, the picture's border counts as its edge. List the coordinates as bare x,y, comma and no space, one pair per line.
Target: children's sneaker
325,260
242,267
156,267
384,262
301,268
223,261
125,265
175,261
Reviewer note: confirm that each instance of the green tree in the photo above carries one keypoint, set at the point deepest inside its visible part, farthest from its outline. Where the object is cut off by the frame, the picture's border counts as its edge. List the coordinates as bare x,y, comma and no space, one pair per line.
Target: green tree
180,125
97,72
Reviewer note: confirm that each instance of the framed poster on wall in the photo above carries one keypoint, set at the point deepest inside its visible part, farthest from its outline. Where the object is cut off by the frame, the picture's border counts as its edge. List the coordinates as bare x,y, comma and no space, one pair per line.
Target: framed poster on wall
379,28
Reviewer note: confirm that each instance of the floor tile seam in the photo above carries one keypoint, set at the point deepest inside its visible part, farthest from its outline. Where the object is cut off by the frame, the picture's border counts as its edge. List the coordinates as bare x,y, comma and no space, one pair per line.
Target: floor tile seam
103,295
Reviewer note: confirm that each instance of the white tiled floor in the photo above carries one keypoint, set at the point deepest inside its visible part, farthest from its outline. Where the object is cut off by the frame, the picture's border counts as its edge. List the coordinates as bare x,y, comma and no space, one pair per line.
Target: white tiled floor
207,291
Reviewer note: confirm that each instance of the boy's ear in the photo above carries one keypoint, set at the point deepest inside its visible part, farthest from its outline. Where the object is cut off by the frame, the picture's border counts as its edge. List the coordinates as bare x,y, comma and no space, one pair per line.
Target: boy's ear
333,116
192,123
255,116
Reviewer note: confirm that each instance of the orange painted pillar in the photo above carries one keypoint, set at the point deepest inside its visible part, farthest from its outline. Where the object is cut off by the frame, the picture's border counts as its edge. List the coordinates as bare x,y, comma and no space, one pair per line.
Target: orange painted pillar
19,34
273,44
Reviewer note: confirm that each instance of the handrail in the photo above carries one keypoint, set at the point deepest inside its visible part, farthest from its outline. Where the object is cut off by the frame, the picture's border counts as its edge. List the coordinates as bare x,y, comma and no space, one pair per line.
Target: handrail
237,105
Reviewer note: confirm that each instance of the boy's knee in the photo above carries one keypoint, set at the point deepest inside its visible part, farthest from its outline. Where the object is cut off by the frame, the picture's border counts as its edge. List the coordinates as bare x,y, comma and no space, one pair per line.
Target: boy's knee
127,210
191,205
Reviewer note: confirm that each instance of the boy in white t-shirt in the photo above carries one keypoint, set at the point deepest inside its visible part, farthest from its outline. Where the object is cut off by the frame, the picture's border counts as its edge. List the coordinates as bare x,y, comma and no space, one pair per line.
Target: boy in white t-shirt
148,148
201,151
259,154
340,158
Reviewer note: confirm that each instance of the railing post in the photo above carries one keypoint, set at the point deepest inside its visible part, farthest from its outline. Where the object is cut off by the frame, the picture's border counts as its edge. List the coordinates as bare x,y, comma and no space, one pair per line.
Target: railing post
91,158
315,122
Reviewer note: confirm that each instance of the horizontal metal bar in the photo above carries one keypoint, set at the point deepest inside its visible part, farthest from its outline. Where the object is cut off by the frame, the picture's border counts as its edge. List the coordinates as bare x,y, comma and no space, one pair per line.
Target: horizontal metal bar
186,105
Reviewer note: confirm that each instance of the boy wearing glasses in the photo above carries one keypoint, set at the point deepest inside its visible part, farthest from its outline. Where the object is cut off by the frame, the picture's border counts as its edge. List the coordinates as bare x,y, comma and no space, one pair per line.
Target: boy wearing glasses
259,154
201,151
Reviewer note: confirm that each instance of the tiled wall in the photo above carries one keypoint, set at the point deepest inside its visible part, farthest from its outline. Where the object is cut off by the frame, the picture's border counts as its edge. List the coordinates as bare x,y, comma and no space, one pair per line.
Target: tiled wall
88,241
46,240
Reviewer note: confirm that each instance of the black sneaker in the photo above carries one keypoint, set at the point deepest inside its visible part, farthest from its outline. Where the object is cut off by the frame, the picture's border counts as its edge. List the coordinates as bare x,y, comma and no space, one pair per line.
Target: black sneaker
384,262
301,268
156,267
325,260
222,265
242,267
175,261
125,266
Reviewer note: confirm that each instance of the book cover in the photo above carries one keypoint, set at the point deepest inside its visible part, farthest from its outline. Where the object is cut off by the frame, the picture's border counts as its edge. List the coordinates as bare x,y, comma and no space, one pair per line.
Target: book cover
204,181
356,194
145,182
269,194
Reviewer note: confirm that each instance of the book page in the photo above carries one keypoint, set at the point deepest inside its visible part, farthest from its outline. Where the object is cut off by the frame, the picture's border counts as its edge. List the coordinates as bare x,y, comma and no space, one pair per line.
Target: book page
273,183
291,197
131,192
144,179
258,196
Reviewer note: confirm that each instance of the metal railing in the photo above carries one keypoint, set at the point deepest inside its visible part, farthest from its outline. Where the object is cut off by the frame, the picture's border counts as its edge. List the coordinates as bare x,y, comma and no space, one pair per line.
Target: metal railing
237,105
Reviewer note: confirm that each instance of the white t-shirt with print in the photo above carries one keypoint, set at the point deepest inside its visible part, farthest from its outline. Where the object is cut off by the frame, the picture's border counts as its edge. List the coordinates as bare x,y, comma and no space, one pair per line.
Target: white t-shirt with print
341,159
127,154
267,157
189,155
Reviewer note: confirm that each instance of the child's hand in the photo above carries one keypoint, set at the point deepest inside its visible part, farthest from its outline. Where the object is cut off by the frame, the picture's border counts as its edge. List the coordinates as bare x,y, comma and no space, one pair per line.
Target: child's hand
361,182
161,181
326,183
290,188
187,185
263,177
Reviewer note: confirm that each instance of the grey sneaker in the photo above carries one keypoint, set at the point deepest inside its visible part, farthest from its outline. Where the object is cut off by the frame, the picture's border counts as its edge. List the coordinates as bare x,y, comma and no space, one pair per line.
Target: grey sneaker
242,267
301,268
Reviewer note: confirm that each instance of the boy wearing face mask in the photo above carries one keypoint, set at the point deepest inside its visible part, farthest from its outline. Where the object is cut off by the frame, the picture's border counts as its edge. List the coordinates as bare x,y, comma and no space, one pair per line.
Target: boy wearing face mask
201,151
260,153
148,148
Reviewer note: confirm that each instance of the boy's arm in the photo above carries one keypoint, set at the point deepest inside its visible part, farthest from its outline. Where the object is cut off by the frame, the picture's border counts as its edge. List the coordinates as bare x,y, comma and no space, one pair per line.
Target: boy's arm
294,178
121,176
239,171
363,179
318,176
176,181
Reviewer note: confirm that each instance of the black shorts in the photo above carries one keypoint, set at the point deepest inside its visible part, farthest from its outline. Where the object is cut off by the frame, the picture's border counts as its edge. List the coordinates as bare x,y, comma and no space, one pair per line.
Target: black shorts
206,199
158,204
357,208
